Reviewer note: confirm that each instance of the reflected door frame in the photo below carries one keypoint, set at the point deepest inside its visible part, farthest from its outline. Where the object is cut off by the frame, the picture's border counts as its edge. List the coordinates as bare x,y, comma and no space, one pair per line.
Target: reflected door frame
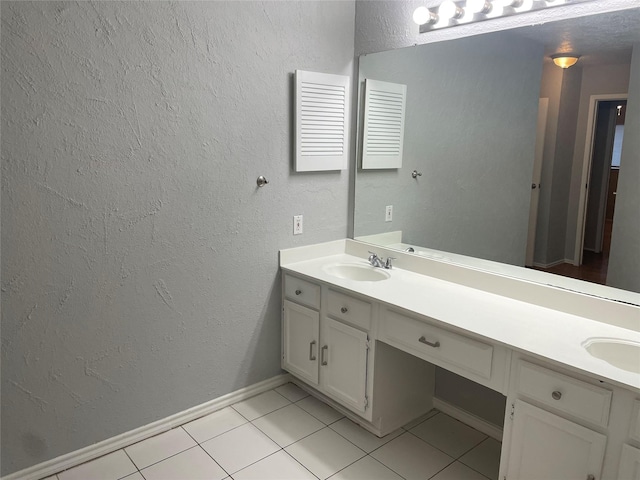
594,100
541,129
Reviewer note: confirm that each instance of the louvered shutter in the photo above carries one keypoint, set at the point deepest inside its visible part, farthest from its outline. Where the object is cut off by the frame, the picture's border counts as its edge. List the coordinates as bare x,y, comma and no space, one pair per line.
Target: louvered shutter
384,111
322,121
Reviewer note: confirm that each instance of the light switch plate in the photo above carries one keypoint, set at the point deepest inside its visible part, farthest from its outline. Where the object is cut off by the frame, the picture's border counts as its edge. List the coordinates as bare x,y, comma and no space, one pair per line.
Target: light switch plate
388,213
297,224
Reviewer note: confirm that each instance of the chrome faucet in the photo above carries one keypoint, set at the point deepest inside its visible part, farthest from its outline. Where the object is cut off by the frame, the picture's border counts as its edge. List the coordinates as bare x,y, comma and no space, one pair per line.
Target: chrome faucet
377,262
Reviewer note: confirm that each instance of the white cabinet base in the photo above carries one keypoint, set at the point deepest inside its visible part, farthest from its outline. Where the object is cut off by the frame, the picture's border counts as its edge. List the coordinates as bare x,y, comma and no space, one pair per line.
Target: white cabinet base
544,446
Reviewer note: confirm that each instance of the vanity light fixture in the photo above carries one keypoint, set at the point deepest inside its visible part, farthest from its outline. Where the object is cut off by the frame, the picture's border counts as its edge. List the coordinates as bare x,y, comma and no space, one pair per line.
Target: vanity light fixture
564,60
478,6
424,16
448,9
457,12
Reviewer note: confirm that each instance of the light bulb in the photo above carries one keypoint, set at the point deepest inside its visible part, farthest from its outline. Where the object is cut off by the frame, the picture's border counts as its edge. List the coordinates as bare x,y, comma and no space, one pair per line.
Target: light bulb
478,6
448,9
524,6
423,15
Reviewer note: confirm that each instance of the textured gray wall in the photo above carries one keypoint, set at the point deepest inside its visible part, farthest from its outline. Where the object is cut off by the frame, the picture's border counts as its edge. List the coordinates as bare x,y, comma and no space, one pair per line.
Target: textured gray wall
139,260
470,129
551,88
562,165
624,262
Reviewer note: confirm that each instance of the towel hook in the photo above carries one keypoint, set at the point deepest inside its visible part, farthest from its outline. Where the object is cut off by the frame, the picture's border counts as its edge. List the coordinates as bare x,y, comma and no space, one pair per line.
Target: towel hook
261,181
416,174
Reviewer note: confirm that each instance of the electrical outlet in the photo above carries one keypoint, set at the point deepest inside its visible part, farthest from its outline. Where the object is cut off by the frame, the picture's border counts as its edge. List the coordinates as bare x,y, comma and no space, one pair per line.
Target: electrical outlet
388,213
297,224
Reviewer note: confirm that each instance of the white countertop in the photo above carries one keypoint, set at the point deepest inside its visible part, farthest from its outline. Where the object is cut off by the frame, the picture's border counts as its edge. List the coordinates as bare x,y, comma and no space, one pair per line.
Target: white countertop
529,328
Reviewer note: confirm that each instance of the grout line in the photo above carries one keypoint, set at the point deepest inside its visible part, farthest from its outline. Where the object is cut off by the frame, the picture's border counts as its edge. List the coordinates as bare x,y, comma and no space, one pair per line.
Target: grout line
260,416
320,420
471,467
443,468
437,412
358,446
303,466
163,459
210,456
131,460
433,446
347,466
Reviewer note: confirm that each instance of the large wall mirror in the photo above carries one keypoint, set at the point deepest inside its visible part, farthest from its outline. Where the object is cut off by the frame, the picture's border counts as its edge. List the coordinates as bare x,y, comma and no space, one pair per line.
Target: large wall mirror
490,116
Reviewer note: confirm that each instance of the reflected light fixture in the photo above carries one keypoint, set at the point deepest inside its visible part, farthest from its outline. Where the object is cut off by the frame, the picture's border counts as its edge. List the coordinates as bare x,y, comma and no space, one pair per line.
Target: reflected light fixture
564,60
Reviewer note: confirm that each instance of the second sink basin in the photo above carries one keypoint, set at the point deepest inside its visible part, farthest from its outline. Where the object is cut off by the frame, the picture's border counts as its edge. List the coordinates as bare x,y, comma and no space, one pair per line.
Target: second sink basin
360,273
620,353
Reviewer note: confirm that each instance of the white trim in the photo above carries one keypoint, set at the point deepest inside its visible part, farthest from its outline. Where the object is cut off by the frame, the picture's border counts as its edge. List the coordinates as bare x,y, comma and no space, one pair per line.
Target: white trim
112,444
467,418
586,170
553,264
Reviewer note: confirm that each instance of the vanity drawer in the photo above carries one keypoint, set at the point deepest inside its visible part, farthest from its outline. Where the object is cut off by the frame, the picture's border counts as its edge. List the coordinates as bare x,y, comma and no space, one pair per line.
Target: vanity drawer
449,350
349,309
574,397
301,291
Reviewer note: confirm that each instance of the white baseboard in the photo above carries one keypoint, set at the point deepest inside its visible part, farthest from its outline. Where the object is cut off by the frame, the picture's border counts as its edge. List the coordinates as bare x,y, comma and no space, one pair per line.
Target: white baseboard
112,444
552,264
465,417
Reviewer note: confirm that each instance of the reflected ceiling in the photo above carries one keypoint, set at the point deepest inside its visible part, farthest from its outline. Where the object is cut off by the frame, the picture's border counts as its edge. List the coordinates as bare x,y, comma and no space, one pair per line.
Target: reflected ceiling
607,37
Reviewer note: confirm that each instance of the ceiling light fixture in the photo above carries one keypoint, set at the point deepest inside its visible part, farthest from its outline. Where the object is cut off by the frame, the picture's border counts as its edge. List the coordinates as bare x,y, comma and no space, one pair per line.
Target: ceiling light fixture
564,60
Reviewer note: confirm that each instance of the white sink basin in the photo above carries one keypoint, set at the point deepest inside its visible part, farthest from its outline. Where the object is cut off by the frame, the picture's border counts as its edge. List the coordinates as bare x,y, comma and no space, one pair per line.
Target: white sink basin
359,273
618,352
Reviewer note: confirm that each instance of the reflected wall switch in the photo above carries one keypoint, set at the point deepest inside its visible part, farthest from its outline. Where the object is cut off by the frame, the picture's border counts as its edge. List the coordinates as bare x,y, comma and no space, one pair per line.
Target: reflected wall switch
388,213
297,224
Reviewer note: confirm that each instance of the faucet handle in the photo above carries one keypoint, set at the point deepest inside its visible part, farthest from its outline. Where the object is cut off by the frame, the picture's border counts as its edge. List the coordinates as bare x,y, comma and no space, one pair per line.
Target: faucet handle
387,264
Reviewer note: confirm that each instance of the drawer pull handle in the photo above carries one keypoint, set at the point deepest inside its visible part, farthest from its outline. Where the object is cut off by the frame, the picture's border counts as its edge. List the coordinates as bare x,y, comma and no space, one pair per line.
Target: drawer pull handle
298,292
312,357
591,477
323,360
556,395
427,342
344,309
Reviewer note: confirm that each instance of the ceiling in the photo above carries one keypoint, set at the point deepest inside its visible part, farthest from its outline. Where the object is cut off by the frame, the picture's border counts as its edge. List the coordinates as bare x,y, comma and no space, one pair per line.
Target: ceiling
602,39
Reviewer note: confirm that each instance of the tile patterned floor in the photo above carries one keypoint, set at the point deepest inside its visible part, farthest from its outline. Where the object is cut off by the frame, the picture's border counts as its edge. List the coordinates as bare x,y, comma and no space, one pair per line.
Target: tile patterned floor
286,434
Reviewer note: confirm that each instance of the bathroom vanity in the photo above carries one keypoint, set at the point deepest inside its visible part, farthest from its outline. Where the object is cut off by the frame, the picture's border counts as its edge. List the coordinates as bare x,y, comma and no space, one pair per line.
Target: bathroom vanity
367,340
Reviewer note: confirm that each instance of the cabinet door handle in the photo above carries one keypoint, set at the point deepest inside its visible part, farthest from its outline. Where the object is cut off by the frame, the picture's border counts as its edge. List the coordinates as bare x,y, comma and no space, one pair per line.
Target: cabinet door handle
556,395
298,292
427,342
344,309
312,357
591,477
323,360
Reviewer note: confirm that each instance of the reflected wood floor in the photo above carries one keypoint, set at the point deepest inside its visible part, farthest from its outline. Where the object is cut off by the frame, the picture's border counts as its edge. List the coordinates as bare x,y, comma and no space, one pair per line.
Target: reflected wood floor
594,265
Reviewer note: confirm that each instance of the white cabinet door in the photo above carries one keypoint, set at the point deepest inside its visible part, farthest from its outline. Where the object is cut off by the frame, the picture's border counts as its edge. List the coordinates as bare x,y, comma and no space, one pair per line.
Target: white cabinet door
629,463
343,357
301,328
545,446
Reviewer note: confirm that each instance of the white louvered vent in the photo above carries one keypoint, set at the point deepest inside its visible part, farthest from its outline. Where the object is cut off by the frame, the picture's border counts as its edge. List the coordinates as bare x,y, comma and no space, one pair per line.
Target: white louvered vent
322,121
384,111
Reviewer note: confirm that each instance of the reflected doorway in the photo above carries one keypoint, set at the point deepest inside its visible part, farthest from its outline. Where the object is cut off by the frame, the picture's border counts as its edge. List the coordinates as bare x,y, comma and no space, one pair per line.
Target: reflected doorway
601,195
